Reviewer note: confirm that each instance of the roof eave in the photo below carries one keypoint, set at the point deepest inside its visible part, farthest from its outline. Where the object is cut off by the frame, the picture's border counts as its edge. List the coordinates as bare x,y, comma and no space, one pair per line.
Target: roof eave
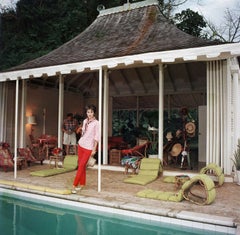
207,53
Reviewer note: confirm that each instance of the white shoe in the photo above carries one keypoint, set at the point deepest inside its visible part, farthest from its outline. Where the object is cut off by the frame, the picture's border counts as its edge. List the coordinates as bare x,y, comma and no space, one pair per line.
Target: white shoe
74,191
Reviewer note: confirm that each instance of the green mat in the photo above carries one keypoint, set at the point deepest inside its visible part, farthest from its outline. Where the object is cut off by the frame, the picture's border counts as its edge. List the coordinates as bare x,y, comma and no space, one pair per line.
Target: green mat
70,164
216,170
186,192
148,172
161,195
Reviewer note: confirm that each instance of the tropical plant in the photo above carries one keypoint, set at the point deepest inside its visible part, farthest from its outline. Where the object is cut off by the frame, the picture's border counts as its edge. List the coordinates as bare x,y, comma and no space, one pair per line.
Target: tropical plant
236,155
152,136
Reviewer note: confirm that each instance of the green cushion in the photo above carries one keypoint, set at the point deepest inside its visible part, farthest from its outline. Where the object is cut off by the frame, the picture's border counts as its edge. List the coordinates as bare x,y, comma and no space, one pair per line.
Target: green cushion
70,161
169,179
185,193
217,170
148,172
197,198
50,172
140,179
69,164
160,195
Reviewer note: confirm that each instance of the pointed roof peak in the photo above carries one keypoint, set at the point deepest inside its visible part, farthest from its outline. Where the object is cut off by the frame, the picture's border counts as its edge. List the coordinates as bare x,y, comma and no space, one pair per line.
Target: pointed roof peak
126,7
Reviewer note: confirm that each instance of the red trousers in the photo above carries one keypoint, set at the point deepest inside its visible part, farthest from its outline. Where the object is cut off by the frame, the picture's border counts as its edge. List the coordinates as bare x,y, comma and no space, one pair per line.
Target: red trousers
83,156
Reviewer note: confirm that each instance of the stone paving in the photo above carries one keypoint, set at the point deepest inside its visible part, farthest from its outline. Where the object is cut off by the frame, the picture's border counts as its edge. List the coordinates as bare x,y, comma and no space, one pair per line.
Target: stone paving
115,191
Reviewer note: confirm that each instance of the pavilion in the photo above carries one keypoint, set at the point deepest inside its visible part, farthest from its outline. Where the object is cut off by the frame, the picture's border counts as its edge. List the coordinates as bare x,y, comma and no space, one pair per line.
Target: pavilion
130,56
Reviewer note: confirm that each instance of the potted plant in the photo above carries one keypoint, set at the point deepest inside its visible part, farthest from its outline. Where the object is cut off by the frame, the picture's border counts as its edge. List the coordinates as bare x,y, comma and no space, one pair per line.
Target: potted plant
236,161
152,135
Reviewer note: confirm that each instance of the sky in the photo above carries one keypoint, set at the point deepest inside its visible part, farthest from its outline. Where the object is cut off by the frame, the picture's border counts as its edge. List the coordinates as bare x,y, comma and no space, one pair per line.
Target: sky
212,10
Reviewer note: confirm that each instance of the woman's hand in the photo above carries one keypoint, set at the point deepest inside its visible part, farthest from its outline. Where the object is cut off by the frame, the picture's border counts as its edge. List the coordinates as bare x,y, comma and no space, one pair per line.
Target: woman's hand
93,152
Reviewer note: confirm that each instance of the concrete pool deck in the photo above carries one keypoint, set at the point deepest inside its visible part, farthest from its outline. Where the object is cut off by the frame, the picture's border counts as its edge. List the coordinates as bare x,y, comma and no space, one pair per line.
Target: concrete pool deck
223,212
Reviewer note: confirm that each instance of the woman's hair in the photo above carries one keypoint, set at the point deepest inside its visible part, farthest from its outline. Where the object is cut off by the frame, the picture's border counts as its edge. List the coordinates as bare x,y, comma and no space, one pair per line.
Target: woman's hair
92,107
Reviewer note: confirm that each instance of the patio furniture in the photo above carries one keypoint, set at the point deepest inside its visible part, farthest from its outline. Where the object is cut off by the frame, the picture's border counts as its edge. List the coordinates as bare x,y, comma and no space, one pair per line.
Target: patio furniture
180,180
56,157
149,171
36,148
215,170
204,194
21,162
114,157
55,160
131,157
6,159
48,142
26,153
131,162
70,163
138,150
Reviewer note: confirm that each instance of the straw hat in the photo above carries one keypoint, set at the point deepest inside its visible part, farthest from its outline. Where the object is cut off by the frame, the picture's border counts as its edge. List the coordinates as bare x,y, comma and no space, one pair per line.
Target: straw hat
169,136
176,150
190,128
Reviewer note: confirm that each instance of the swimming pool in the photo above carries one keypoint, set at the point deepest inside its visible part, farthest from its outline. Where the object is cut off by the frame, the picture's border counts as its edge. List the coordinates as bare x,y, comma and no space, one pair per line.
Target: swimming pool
49,216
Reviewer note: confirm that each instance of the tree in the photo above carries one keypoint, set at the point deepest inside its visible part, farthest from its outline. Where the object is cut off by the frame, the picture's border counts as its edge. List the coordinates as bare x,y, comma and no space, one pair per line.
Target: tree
229,31
190,22
167,7
35,27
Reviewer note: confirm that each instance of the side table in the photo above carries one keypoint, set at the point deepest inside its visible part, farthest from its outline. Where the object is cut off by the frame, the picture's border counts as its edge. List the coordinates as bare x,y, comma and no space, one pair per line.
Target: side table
115,157
180,180
21,162
56,159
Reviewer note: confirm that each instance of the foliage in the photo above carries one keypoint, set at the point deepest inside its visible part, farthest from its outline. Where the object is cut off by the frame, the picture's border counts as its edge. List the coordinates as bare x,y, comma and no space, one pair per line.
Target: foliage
229,31
167,7
153,139
236,155
190,22
150,119
124,124
36,27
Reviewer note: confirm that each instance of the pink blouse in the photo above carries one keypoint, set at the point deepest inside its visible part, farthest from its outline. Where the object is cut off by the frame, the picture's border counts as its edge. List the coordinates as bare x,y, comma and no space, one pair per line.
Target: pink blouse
90,133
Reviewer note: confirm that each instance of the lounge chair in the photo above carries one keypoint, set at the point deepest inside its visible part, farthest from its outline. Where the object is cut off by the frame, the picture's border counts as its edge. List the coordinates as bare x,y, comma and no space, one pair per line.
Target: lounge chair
138,150
26,153
148,172
70,163
6,159
204,194
131,157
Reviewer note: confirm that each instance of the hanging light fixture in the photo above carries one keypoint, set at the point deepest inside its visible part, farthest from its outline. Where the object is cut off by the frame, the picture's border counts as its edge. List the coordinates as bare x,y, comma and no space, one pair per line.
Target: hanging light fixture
31,120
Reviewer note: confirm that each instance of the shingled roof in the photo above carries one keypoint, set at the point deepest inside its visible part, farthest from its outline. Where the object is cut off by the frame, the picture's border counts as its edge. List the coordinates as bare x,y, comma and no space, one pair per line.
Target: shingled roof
132,29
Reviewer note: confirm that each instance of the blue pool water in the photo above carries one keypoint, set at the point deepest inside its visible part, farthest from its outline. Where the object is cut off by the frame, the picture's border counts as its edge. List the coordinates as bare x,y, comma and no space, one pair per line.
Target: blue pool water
26,217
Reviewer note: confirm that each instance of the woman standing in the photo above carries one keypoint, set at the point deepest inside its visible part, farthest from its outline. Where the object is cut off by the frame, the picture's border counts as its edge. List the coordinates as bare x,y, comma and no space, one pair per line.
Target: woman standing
87,146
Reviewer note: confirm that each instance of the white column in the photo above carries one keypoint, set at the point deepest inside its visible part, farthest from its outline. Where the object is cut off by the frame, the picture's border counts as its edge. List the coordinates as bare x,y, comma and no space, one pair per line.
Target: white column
160,112
22,140
100,127
16,128
60,109
3,95
209,67
236,108
227,119
105,116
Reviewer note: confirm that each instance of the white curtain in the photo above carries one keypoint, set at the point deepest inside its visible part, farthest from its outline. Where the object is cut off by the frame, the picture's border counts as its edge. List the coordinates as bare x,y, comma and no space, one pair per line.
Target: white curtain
219,114
217,108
